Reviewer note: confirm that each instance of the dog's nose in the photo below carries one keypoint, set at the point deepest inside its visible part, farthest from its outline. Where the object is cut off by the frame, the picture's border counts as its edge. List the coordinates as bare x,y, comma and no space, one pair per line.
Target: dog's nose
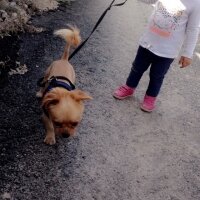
65,135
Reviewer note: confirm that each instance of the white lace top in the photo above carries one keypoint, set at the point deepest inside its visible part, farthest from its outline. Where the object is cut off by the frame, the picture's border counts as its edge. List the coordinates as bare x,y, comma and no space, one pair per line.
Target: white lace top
174,24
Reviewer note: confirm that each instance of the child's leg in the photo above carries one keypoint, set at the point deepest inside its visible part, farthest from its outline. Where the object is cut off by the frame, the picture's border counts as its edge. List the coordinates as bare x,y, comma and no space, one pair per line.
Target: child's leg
141,63
159,68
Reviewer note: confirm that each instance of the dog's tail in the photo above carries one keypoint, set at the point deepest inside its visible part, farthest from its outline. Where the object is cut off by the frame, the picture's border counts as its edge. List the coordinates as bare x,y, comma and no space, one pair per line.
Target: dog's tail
71,36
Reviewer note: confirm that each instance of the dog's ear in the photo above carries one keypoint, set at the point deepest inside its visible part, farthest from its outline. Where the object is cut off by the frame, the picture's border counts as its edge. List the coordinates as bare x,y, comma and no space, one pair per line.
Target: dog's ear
50,99
79,95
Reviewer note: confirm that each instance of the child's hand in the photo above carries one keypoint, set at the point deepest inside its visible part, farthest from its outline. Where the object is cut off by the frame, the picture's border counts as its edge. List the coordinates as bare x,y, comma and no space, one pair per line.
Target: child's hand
184,61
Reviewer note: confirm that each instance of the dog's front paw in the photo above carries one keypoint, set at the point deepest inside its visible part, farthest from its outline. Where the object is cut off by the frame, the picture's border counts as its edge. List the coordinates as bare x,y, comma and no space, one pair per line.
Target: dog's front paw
50,140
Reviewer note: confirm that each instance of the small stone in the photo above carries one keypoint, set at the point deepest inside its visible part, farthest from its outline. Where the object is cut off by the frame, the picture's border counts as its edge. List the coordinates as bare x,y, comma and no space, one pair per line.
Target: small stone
6,195
3,4
14,15
4,15
13,4
25,6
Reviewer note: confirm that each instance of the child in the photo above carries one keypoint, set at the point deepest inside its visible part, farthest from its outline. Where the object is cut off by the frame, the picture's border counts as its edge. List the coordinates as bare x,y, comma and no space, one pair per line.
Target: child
173,24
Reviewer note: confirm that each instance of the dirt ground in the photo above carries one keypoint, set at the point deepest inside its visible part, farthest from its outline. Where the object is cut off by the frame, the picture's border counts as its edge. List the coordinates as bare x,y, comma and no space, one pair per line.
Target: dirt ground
119,152
15,14
15,18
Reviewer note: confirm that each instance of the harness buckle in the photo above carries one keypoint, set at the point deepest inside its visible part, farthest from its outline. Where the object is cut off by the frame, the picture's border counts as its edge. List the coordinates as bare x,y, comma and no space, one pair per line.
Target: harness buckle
52,78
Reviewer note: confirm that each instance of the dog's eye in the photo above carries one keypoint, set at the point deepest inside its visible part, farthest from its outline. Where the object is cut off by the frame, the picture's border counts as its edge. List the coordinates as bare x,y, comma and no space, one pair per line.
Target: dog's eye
74,124
57,124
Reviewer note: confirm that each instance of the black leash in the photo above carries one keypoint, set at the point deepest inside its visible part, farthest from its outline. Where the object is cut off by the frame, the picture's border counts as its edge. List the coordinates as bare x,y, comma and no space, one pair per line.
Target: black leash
96,25
40,82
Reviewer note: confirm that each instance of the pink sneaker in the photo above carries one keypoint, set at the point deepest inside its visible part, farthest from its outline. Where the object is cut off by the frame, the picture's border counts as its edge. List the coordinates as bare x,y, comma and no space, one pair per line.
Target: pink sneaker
148,104
123,91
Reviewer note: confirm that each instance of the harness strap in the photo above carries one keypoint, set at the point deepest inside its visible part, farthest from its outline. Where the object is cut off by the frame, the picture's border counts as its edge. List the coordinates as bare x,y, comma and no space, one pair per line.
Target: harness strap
42,83
53,82
63,78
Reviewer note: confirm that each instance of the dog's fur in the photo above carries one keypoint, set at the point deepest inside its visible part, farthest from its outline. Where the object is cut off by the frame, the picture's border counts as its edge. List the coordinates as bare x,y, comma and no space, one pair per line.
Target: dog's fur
64,108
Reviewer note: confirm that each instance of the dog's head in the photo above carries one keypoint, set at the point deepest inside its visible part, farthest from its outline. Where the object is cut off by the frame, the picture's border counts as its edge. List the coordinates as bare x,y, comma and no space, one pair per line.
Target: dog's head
65,109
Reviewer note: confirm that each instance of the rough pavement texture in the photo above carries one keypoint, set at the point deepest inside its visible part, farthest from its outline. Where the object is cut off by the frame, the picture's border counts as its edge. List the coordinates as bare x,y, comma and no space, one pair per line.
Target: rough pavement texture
119,152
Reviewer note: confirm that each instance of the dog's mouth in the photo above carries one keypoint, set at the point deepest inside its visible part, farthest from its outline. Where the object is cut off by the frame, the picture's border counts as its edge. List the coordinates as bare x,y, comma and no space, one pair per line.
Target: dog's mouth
64,135
62,130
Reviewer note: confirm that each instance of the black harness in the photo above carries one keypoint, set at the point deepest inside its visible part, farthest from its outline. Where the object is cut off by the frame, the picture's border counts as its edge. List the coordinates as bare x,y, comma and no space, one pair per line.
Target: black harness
53,82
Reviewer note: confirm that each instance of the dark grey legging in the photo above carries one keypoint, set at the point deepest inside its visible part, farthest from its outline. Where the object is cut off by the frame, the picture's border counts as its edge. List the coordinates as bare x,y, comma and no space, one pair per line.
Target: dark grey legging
159,67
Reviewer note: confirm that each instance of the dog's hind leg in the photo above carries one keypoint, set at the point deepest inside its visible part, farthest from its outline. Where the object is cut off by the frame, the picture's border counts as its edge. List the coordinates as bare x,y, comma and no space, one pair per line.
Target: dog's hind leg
39,94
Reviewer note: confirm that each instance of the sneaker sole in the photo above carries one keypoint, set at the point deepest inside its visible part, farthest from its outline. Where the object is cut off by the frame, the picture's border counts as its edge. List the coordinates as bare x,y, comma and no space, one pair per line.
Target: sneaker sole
145,110
121,98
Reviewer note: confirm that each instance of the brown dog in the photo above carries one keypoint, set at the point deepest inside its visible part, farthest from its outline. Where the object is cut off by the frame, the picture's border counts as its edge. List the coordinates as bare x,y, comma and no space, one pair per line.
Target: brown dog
62,104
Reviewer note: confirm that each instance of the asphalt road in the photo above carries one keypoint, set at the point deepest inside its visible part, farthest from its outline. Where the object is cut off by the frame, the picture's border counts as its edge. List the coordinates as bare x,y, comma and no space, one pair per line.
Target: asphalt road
119,152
